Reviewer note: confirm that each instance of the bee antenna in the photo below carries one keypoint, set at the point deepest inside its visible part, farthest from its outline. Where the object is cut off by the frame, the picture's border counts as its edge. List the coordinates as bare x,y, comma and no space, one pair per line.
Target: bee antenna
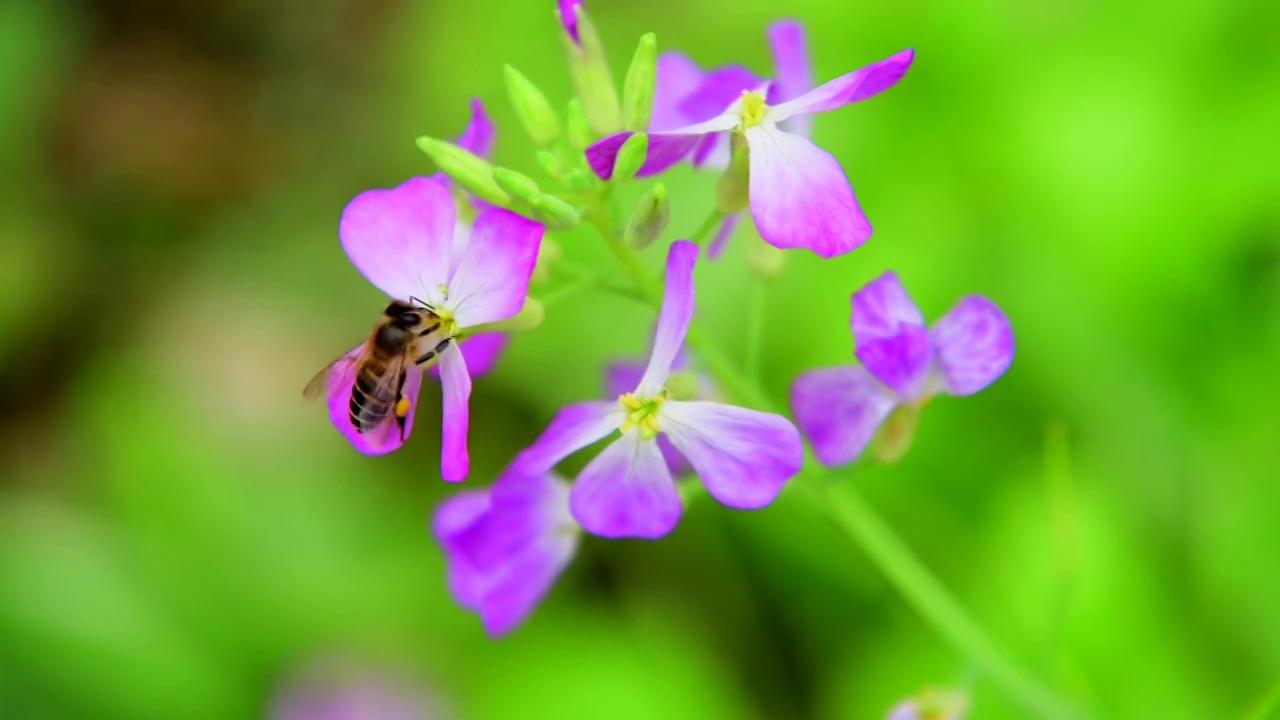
420,302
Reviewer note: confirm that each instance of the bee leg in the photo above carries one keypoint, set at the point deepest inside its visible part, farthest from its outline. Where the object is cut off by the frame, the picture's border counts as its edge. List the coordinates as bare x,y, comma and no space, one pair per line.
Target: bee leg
439,348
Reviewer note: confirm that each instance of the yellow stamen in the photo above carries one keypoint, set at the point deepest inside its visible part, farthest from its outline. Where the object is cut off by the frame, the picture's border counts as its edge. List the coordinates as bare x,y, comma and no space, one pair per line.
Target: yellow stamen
642,413
753,108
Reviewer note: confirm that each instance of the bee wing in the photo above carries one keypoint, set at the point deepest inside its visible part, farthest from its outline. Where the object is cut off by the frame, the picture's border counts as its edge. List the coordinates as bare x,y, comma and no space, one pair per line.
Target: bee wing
381,402
320,383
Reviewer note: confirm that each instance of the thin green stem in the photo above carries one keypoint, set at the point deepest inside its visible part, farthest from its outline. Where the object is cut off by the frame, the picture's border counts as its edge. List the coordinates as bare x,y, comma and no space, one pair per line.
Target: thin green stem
928,596
708,226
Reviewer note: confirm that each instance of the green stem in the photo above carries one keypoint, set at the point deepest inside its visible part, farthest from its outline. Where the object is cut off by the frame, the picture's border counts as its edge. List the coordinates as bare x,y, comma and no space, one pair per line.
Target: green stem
929,597
705,230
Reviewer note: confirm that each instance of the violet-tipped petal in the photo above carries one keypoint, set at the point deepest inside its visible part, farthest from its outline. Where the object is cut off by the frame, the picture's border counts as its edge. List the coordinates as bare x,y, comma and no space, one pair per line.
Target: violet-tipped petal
860,84
793,69
890,335
673,320
455,382
492,279
840,409
401,238
627,491
974,344
574,427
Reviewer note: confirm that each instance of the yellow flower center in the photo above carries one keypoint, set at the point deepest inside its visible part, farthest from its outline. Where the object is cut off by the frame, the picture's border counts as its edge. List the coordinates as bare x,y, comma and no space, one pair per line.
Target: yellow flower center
642,413
753,108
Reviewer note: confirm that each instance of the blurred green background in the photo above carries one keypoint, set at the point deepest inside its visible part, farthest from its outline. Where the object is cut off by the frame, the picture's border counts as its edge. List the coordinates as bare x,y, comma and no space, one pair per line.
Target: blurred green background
182,536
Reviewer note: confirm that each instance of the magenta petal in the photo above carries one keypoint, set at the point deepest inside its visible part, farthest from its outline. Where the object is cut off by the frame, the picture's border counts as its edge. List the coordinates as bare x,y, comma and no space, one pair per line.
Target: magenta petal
568,10
890,336
839,409
627,491
479,134
974,342
400,238
743,456
723,234
452,520
673,320
665,148
794,71
677,78
492,278
850,87
800,196
388,435
574,427
455,382
718,90
481,351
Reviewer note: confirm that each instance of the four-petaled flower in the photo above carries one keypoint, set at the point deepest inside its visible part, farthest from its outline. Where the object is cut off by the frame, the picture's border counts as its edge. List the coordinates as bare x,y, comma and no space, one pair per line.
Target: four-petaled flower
506,545
903,365
799,194
742,456
402,240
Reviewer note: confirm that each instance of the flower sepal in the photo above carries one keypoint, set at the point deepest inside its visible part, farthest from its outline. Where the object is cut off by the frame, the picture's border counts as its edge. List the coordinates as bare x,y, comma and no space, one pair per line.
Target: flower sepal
639,87
531,106
630,157
591,76
894,437
464,167
732,190
515,184
649,218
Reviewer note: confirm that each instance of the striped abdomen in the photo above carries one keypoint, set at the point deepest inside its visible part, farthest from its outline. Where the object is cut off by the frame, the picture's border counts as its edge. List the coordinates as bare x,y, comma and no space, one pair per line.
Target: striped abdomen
373,397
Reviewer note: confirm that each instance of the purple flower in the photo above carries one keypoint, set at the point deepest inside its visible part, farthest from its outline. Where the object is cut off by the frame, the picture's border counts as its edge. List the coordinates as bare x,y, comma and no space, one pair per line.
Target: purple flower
903,364
568,11
505,546
799,194
480,133
402,240
743,456
931,705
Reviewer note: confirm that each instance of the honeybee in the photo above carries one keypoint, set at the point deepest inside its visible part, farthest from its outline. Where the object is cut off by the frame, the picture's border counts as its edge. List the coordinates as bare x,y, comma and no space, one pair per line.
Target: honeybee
409,332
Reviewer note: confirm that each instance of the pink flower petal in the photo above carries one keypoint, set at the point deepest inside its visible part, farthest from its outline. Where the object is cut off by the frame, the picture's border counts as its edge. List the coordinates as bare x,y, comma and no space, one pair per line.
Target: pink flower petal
400,238
974,342
574,427
743,456
795,72
481,351
568,10
839,409
890,336
673,321
492,278
800,196
388,435
850,87
627,491
479,134
717,90
677,78
455,382
452,520
665,148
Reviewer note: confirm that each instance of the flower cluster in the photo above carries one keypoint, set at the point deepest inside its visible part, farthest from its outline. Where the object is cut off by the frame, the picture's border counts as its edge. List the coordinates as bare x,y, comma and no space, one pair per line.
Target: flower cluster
457,254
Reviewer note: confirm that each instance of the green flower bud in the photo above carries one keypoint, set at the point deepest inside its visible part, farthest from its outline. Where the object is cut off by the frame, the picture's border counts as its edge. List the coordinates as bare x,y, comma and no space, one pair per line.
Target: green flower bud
732,191
556,213
465,168
638,89
580,135
515,184
630,157
581,180
649,218
551,163
592,78
531,107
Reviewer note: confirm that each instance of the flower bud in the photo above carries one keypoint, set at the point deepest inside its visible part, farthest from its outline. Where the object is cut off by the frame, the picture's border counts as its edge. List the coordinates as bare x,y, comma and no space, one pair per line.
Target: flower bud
684,385
556,213
516,184
649,218
580,135
551,163
531,107
638,89
732,191
630,157
591,77
895,435
581,180
468,170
